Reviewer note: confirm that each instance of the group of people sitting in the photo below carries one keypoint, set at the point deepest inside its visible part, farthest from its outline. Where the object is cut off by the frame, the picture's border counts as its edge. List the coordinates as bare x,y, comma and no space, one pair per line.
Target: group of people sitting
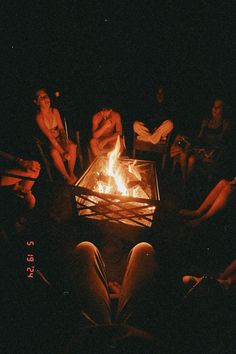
107,126
137,312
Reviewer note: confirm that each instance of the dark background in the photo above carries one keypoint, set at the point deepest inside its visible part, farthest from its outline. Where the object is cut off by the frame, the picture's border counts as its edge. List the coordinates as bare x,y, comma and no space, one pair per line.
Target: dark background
100,53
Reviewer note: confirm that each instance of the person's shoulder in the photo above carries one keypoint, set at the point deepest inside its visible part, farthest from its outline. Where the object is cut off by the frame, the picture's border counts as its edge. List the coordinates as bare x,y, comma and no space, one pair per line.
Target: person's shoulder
55,111
96,115
38,116
116,114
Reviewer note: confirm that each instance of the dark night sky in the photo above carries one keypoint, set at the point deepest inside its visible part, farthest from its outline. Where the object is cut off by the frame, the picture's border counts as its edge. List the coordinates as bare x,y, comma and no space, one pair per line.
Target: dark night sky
113,52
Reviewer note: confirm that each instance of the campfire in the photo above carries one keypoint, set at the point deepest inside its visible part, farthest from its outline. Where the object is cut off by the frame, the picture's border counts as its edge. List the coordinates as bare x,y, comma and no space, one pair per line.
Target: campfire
118,190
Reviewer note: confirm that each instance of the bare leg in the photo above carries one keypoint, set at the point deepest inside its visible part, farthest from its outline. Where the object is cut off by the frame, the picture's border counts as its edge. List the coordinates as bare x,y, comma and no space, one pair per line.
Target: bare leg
24,186
71,149
89,284
217,205
94,147
229,273
137,302
190,165
8,180
59,164
209,200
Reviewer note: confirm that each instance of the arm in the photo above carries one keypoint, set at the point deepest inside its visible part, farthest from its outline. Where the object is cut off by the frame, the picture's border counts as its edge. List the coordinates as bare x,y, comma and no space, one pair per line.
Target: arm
47,133
7,156
63,137
118,131
25,164
98,132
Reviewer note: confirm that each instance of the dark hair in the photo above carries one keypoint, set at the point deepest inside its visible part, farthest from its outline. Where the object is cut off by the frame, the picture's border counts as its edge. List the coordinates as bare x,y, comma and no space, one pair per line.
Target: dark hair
39,89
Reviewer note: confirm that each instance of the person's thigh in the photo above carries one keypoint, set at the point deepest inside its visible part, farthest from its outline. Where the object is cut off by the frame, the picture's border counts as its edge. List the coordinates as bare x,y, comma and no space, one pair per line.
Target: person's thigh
89,289
138,303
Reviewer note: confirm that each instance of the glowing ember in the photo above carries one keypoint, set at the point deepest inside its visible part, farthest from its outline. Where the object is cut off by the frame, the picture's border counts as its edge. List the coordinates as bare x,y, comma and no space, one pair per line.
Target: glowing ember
118,190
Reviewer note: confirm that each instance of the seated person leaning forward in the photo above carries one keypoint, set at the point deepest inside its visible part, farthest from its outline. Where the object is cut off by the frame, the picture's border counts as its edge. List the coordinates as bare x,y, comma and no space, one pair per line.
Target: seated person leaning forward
106,127
20,175
157,124
62,149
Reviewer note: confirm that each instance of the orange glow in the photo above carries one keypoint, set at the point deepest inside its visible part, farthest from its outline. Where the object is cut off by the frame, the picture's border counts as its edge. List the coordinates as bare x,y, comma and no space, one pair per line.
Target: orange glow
116,178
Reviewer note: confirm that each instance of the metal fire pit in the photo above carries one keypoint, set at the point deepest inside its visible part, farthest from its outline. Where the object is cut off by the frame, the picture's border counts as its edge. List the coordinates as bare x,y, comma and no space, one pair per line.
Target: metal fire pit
115,207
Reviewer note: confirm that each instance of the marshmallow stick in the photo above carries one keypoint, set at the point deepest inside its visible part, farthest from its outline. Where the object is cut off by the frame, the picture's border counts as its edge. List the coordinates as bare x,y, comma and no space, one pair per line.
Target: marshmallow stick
66,130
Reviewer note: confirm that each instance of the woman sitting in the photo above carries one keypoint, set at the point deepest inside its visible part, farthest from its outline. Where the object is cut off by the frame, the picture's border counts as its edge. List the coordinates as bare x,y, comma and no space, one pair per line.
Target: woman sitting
208,144
216,201
61,148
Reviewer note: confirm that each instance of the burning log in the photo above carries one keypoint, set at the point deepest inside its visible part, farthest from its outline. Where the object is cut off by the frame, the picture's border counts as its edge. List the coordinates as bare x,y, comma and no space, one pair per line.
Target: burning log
119,190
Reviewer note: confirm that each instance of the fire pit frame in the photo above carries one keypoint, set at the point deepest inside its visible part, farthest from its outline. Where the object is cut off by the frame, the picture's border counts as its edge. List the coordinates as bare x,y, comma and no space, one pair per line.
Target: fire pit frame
121,213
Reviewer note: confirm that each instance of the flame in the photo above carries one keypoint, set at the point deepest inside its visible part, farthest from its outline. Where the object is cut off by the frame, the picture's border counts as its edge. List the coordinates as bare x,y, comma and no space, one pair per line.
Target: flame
113,157
134,171
117,181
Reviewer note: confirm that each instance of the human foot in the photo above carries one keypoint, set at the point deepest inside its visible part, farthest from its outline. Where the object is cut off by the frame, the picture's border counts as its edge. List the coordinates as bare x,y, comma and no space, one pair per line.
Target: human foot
188,213
71,180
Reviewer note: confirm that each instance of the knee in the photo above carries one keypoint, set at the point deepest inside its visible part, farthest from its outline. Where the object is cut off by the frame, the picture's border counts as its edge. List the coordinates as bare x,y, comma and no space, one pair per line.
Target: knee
224,183
72,147
86,248
54,153
136,125
143,250
35,174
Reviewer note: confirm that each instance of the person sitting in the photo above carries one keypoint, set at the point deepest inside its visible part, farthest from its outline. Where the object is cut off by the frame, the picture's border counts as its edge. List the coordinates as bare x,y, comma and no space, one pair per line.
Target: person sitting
62,149
209,142
20,175
134,324
216,201
106,127
158,124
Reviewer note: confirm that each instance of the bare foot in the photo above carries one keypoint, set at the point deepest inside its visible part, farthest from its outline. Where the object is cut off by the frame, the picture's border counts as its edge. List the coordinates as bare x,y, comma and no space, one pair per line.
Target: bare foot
195,222
72,180
189,213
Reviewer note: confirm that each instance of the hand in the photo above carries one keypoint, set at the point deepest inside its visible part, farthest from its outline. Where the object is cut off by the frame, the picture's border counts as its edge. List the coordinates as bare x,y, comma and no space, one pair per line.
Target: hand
101,145
30,165
107,123
66,156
